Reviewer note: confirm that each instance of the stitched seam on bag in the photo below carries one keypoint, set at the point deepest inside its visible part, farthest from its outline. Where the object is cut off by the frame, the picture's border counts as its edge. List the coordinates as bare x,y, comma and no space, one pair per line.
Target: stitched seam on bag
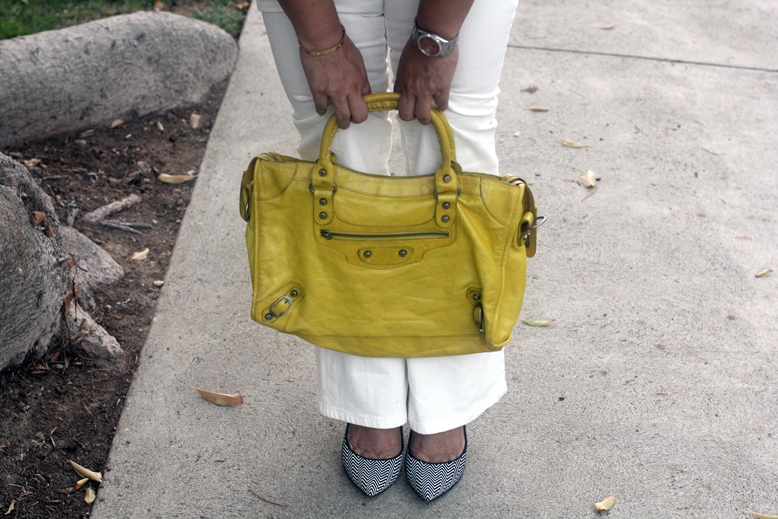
283,190
483,201
505,254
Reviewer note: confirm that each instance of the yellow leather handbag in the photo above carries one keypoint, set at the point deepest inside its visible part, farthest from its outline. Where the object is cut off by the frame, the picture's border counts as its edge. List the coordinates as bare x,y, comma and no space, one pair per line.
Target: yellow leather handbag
383,266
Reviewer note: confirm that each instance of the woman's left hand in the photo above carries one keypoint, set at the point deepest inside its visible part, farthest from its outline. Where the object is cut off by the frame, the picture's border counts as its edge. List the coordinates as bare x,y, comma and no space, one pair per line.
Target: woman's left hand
420,79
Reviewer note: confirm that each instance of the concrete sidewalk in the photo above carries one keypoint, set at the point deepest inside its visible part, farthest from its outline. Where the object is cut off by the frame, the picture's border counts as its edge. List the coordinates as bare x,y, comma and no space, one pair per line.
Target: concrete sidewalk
657,381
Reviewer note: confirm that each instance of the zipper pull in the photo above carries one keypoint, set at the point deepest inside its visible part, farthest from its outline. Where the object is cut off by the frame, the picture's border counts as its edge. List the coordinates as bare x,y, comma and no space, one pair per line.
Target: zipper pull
327,235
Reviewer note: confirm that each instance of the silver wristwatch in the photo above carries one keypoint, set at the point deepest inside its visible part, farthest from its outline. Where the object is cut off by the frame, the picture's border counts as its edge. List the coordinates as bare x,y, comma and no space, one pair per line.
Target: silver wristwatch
430,44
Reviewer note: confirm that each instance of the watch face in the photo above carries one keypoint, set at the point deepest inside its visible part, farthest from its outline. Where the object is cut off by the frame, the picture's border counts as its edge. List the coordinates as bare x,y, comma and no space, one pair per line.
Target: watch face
429,46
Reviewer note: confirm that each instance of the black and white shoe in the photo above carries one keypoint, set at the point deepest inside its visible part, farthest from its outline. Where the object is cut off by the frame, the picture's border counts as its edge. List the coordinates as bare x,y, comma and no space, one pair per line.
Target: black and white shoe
369,475
432,480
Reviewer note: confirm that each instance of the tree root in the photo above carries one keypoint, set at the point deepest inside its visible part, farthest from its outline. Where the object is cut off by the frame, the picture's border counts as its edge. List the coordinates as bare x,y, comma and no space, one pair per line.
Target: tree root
98,216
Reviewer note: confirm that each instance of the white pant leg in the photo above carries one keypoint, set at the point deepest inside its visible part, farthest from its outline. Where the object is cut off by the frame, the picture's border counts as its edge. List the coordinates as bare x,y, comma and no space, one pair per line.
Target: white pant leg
364,147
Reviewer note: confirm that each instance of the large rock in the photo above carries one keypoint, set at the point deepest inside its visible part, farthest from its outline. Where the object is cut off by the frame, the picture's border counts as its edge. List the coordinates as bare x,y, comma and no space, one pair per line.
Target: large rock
32,280
119,67
94,269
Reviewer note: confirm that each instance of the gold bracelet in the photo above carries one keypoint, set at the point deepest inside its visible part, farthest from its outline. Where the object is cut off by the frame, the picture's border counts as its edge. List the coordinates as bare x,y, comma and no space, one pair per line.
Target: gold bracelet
318,53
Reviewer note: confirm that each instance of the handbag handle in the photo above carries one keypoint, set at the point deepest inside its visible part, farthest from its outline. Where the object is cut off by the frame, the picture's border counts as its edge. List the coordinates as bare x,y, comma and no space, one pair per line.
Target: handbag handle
323,183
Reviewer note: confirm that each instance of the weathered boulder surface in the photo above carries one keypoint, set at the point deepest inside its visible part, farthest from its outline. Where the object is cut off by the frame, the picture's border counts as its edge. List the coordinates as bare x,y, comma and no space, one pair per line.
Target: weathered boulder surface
90,337
95,268
119,67
32,280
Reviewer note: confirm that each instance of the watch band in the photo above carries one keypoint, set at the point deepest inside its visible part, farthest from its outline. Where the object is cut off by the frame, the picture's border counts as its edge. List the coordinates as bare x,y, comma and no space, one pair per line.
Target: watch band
431,44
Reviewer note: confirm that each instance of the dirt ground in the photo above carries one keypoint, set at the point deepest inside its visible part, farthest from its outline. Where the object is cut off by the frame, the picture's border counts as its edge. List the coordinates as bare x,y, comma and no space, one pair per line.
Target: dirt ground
65,406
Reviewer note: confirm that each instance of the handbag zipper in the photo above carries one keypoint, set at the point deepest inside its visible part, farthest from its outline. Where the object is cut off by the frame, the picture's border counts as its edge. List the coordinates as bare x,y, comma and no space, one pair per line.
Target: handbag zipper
328,235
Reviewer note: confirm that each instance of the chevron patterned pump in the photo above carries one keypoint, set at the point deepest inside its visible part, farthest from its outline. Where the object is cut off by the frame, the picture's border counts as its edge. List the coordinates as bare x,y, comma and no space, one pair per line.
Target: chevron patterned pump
369,475
432,480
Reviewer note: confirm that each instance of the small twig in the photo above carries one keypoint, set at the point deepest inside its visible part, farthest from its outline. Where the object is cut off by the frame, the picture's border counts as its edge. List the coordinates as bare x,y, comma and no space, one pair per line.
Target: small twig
53,177
712,152
109,209
590,194
113,224
267,500
576,92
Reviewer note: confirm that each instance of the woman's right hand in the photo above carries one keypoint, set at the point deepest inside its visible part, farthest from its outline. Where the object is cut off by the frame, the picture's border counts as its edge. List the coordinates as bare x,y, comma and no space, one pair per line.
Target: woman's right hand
340,78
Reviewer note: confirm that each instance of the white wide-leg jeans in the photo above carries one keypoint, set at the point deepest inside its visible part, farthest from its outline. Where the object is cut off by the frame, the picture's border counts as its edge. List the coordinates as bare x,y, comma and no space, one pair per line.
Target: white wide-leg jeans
431,394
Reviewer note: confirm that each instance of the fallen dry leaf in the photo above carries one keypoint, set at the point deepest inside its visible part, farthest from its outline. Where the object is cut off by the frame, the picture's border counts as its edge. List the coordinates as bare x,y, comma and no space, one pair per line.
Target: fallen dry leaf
37,217
243,6
81,471
159,283
32,163
11,508
158,5
117,122
220,398
538,109
588,179
537,323
606,27
80,483
605,504
516,133
90,496
764,273
160,127
572,144
140,256
175,179
118,316
194,121
758,516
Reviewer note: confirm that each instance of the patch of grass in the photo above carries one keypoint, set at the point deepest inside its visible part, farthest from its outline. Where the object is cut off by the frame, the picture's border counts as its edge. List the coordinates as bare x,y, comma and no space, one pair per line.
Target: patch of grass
20,17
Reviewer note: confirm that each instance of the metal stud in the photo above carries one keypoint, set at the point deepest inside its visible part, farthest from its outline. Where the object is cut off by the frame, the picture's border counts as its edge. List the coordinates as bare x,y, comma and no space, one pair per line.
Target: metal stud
445,218
476,297
446,205
268,317
368,253
294,293
322,201
322,172
322,215
446,178
403,253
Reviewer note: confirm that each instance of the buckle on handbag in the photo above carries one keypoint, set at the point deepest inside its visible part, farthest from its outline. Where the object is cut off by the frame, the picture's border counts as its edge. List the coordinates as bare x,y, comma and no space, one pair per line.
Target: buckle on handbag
478,315
459,192
334,188
287,300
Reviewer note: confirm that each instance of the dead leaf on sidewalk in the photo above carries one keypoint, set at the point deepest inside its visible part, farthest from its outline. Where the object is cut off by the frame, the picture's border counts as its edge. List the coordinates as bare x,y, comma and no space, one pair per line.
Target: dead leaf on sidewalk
142,255
117,122
762,516
606,27
11,508
572,144
90,496
589,179
517,133
175,179
32,163
86,473
194,121
160,127
538,109
537,323
605,504
764,273
80,483
220,398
